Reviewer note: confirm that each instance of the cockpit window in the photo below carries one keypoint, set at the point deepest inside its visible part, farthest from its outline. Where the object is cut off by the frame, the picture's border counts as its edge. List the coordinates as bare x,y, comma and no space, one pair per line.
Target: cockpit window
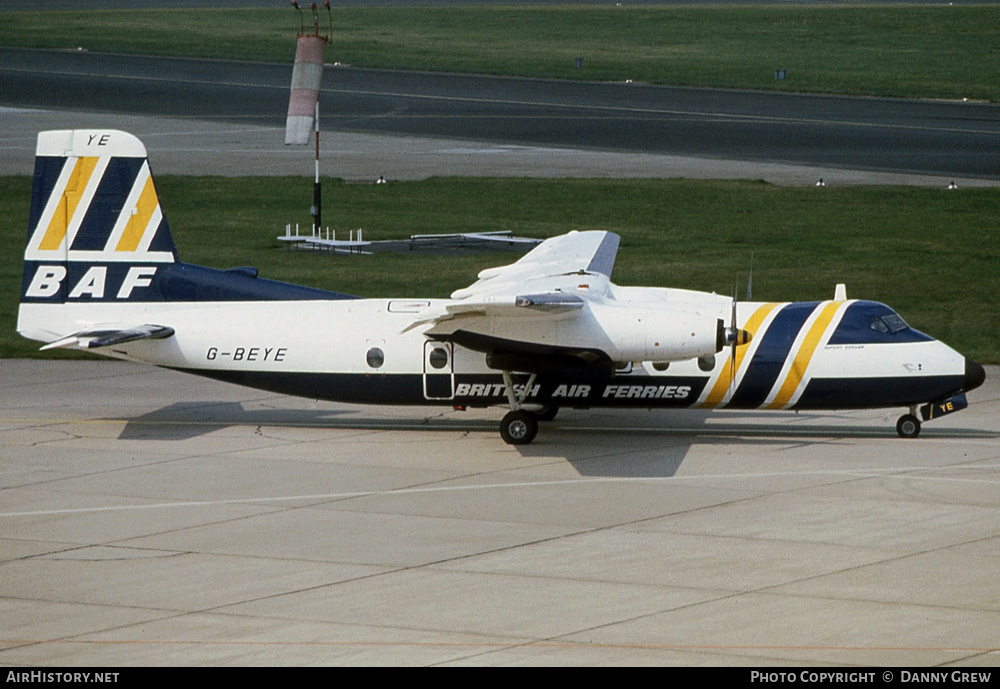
868,322
889,323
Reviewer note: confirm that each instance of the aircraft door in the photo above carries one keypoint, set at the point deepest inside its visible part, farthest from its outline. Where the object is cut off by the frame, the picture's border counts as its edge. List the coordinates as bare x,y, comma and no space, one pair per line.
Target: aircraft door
439,371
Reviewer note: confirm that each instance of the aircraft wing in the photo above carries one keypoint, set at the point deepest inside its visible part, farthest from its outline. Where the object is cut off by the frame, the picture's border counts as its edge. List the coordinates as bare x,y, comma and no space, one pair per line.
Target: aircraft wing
578,253
549,302
105,337
548,281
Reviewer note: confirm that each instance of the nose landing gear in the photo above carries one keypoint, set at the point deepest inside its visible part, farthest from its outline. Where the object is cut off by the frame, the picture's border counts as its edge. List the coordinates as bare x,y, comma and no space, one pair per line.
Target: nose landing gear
908,426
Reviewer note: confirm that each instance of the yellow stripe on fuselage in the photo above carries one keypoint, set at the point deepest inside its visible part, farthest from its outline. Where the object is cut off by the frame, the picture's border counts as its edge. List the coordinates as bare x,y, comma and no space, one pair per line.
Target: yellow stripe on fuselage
721,386
138,222
55,233
802,358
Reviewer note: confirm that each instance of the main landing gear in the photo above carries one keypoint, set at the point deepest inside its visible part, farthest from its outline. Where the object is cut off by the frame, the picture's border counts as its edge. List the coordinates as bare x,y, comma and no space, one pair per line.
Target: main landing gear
520,426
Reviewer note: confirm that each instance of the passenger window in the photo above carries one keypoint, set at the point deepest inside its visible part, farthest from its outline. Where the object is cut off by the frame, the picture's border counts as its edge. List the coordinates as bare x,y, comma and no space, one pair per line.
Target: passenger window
375,357
438,357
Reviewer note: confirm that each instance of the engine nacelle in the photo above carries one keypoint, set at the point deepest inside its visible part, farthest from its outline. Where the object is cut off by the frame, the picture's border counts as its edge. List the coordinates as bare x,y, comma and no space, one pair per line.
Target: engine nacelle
659,335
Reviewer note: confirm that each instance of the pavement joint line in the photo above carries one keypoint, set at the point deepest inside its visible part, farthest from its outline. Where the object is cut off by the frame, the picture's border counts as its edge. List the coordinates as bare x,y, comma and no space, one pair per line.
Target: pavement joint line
889,473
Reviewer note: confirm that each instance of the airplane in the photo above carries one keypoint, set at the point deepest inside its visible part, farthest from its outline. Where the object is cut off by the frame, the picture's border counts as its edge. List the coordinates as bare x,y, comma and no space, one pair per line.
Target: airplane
102,274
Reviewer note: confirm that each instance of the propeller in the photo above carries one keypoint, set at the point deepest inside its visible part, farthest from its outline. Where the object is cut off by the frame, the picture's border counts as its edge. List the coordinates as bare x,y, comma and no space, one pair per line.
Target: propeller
735,337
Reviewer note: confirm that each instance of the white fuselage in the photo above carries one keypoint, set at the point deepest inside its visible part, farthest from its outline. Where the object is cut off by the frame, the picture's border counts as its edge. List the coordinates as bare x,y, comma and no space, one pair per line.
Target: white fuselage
364,350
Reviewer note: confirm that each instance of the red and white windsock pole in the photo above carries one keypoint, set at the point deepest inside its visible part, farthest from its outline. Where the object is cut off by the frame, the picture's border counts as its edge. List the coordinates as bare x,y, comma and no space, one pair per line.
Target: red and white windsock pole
303,105
306,76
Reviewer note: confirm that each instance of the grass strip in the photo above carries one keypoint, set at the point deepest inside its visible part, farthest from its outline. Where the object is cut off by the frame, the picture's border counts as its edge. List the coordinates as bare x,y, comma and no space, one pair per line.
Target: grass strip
929,253
901,51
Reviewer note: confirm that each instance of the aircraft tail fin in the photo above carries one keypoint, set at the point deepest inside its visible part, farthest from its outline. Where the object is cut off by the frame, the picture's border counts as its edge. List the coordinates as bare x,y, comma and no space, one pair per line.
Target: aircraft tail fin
96,230
100,254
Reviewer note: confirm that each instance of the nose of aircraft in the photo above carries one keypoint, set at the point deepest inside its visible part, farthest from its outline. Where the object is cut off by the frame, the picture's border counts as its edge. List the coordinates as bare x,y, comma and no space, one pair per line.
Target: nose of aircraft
974,375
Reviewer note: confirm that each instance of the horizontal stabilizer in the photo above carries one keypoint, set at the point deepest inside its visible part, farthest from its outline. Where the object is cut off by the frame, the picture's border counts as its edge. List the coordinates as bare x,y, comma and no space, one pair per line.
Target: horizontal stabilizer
104,337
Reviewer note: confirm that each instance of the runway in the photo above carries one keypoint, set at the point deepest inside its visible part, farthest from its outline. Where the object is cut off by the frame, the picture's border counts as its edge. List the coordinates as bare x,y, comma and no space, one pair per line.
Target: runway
151,518
945,140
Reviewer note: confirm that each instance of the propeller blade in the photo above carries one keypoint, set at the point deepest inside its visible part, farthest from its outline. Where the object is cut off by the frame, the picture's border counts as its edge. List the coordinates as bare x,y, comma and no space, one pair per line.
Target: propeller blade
732,347
735,337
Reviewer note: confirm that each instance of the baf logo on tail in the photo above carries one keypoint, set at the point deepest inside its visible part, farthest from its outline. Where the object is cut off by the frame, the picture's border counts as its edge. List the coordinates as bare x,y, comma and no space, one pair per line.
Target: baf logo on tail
548,331
96,229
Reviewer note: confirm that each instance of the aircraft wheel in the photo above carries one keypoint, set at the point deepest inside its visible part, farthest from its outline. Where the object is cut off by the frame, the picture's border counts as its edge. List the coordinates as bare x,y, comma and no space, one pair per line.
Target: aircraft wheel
518,428
908,426
547,414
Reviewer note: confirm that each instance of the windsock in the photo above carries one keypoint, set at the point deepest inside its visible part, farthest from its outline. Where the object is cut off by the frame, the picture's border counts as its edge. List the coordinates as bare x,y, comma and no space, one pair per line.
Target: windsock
309,53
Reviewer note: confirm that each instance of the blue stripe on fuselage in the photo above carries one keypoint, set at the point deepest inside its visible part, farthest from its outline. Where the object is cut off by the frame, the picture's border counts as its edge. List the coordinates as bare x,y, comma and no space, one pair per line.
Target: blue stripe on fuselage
187,282
880,392
770,355
159,282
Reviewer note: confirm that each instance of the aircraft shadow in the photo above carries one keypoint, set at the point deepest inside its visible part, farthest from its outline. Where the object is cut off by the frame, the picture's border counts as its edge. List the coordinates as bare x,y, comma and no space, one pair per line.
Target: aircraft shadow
187,420
595,444
658,448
